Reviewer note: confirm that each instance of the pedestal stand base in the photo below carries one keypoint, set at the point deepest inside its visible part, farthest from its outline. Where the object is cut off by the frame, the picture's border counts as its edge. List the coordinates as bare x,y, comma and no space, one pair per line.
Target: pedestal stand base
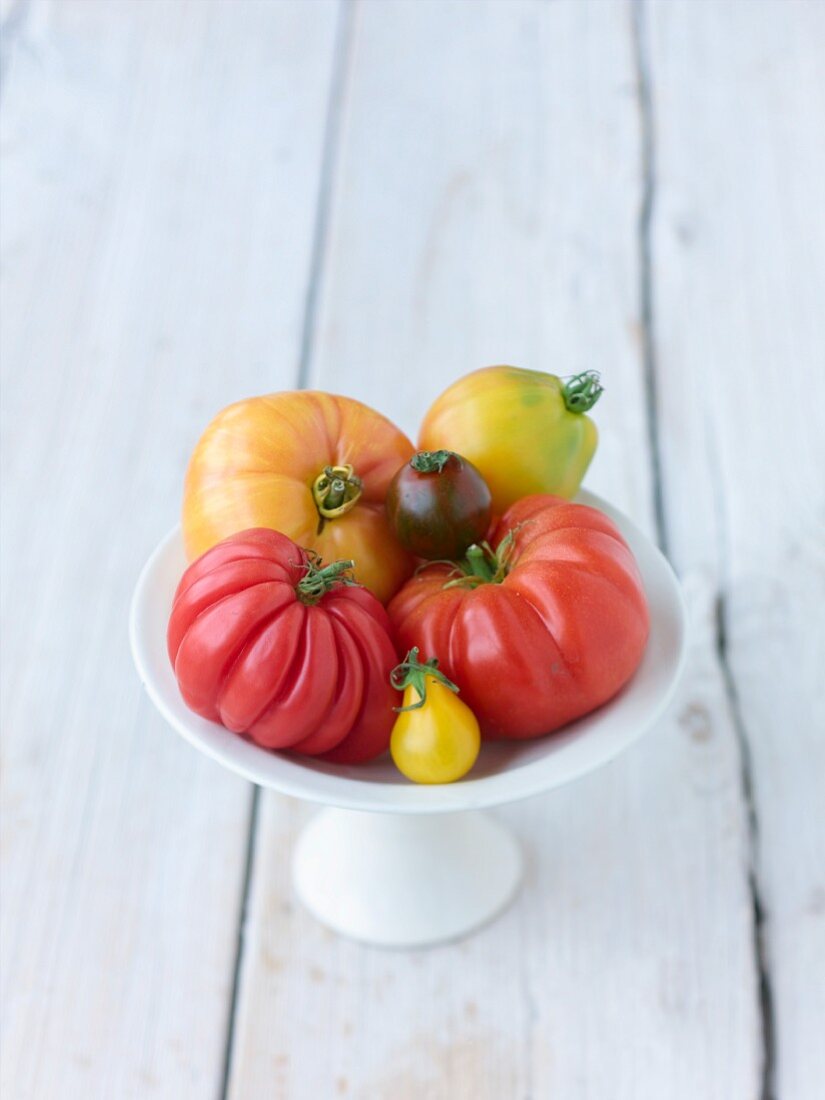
397,880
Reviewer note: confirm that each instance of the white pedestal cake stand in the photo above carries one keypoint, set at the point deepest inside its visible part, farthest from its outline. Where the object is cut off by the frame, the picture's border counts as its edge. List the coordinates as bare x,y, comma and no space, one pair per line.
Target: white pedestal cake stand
395,864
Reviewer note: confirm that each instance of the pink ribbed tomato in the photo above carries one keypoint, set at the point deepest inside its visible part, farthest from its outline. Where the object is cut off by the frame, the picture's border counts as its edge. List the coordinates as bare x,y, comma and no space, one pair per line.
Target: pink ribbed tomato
266,640
543,624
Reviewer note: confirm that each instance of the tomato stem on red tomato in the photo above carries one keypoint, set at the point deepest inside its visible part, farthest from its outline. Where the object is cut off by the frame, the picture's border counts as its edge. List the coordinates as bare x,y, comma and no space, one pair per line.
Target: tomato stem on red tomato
320,579
478,561
582,391
414,673
482,564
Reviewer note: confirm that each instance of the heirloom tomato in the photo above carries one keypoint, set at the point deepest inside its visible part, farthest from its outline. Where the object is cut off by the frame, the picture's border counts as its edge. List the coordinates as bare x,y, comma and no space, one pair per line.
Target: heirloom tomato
543,624
436,737
438,504
525,431
267,640
313,466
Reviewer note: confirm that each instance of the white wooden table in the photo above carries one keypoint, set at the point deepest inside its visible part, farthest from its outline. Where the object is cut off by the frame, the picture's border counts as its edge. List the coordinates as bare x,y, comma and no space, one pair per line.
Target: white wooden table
204,199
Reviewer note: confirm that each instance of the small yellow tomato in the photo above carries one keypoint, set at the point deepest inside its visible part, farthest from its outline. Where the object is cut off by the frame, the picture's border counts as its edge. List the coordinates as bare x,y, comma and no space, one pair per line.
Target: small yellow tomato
436,737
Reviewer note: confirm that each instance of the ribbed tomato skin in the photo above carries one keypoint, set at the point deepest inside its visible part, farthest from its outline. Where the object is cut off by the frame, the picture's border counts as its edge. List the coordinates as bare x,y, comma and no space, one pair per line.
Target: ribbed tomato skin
247,652
562,634
255,464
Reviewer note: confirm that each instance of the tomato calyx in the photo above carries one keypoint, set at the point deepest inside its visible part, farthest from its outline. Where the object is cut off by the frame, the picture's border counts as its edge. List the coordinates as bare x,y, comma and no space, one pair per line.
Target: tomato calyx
320,579
414,673
582,391
481,564
431,462
335,491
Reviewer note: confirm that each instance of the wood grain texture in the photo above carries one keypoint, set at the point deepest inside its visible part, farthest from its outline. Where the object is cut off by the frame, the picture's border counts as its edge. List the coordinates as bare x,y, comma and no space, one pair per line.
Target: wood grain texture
161,167
181,225
485,209
739,278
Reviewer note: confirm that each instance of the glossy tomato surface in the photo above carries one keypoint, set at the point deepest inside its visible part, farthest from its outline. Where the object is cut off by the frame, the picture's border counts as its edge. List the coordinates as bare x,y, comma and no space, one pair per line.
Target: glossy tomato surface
436,741
560,634
438,504
526,431
290,670
264,462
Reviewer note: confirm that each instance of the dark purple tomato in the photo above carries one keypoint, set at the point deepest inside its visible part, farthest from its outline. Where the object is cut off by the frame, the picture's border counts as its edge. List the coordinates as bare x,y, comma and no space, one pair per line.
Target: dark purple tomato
438,504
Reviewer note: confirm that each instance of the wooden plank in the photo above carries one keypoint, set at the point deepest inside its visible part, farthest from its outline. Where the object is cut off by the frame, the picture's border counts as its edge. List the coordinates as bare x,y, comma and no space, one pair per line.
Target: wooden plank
161,166
739,282
485,209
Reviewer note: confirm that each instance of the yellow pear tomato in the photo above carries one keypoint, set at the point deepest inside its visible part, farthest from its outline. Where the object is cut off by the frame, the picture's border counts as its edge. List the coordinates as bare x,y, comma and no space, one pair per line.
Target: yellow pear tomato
436,737
525,431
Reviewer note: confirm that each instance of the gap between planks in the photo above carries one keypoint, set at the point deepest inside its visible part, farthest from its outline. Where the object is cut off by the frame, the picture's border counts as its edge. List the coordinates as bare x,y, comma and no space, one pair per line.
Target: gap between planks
646,104
342,55
11,28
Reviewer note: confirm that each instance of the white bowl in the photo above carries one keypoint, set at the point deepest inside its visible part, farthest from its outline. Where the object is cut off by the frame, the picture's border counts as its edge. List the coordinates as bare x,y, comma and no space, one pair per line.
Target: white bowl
505,771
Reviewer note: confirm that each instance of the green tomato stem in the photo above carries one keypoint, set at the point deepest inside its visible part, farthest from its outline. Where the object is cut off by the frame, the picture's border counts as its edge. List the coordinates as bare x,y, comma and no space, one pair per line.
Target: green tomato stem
482,564
412,672
320,579
479,564
430,462
582,391
335,490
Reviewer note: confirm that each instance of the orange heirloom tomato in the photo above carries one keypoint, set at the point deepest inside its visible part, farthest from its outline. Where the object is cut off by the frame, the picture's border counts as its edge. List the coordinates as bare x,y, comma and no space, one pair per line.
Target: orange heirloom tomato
311,465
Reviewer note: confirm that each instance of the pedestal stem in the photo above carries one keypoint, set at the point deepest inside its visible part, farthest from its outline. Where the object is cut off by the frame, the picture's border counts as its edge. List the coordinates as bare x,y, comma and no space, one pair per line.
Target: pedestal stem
405,880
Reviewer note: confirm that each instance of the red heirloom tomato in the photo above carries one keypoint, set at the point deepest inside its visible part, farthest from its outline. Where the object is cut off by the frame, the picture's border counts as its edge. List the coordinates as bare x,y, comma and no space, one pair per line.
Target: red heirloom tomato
540,626
269,642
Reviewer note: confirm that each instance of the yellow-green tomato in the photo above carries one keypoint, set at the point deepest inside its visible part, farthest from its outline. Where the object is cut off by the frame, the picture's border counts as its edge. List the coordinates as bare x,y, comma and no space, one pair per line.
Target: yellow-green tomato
525,431
436,737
